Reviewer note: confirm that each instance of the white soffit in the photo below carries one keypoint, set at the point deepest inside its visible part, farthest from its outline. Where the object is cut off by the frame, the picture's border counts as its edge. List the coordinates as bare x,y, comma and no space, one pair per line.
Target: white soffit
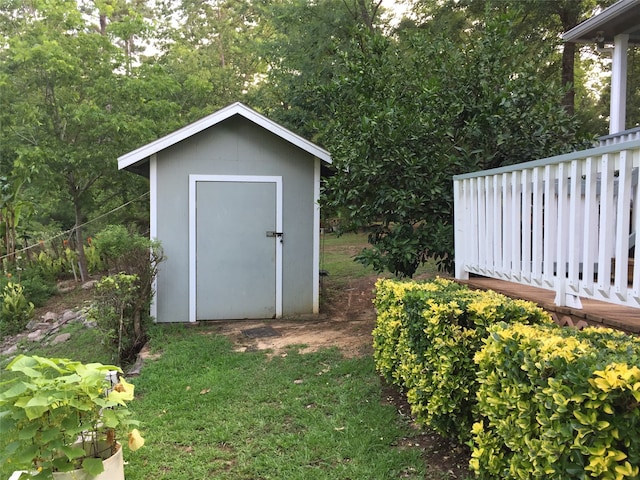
621,17
143,153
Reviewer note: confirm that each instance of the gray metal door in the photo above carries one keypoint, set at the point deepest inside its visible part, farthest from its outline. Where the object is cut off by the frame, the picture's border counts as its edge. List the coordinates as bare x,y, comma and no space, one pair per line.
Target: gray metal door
236,260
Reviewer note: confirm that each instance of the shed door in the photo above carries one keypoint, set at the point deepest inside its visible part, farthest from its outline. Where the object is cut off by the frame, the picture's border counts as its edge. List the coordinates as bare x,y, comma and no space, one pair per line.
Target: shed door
238,272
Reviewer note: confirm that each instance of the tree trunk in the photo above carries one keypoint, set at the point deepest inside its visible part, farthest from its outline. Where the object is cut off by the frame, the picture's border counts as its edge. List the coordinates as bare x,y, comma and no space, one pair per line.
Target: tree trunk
82,260
568,60
569,17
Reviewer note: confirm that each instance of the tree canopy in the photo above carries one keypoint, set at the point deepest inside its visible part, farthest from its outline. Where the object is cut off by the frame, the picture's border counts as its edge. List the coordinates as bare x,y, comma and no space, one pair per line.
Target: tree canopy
402,106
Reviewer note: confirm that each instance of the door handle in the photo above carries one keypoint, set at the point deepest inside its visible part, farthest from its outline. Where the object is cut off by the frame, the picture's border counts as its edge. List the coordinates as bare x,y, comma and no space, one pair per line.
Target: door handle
271,233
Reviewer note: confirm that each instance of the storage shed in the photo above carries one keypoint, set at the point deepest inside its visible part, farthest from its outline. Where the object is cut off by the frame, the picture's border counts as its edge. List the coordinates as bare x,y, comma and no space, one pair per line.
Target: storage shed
234,202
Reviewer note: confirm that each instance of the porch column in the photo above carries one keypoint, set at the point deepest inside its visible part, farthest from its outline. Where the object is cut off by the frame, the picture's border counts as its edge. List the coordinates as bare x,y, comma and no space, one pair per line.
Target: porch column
617,115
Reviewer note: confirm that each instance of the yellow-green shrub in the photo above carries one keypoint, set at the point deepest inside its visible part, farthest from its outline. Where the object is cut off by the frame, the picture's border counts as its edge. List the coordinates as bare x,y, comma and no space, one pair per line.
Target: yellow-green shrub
557,403
425,339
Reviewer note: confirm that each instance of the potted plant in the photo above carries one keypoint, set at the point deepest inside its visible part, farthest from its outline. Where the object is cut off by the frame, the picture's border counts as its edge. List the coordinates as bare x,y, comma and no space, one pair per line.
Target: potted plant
58,415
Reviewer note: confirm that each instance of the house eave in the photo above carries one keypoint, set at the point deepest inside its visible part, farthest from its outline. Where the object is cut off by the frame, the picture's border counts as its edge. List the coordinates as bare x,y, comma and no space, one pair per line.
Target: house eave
136,160
621,17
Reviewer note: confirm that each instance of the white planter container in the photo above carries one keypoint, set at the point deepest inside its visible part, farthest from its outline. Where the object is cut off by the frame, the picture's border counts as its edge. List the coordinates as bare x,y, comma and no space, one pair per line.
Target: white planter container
113,470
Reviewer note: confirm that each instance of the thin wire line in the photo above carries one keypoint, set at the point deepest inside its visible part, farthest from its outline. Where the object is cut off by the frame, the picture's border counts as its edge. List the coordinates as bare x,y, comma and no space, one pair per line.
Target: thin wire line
75,227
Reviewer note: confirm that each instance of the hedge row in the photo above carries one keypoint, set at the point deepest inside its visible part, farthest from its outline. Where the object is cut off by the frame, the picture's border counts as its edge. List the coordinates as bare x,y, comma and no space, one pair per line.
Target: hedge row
425,340
558,403
532,399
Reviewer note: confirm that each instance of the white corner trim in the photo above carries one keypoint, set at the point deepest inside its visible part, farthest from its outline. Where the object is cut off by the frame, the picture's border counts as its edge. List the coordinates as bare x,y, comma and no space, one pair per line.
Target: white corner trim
316,235
193,181
153,223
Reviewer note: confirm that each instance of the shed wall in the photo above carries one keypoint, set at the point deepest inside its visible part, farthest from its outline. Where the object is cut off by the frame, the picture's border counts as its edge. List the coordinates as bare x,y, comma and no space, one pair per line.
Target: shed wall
234,147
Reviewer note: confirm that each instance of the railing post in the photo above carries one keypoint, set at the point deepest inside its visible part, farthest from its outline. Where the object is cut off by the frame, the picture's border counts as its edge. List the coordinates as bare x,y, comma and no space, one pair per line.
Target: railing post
461,227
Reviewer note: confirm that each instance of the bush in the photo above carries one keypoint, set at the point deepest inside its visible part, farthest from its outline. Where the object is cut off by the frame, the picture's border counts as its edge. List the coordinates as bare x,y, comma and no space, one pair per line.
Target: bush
113,311
425,340
15,311
122,252
557,403
37,289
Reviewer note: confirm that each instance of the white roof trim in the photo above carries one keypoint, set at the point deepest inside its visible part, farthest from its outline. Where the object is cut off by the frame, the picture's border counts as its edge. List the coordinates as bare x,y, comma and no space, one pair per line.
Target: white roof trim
601,18
143,153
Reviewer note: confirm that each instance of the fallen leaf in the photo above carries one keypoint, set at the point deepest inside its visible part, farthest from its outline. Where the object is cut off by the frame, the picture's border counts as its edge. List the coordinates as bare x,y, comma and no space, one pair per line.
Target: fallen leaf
188,388
206,390
298,382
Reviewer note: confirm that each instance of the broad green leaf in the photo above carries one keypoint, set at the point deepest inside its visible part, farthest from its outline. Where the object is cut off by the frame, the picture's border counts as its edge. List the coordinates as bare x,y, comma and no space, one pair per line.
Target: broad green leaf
72,452
93,466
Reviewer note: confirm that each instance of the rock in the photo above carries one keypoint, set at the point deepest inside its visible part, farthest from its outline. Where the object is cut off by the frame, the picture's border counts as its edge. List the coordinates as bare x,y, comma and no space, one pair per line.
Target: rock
63,337
11,350
31,325
69,315
35,336
50,317
89,285
90,324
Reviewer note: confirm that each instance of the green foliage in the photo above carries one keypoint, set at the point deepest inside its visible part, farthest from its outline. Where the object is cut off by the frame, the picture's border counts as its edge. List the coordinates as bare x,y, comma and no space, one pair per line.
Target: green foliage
557,403
37,289
113,311
15,310
123,299
425,339
50,403
408,114
47,266
94,262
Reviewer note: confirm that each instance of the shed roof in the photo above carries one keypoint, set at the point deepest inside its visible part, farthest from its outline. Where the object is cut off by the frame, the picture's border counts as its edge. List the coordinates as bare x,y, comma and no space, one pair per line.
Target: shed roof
621,17
136,159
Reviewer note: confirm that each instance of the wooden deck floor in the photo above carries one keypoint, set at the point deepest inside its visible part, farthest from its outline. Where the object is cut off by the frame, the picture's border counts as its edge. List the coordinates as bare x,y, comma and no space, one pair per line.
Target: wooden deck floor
593,312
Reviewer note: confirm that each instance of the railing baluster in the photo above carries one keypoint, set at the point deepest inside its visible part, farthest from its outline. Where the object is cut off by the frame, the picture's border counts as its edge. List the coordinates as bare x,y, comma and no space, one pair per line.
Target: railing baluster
537,238
508,226
590,237
623,219
496,225
482,225
550,226
575,224
635,288
605,244
561,232
525,266
516,225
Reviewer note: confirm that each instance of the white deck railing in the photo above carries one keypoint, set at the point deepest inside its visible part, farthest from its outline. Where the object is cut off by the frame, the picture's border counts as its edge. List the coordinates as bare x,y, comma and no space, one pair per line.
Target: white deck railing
565,223
620,137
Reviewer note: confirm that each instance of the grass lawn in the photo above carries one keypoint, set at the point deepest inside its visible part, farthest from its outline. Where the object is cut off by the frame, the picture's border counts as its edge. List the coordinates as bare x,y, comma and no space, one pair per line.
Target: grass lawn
209,412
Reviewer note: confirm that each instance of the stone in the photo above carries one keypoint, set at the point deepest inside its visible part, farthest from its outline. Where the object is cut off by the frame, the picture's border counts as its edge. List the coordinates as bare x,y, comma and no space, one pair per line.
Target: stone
63,337
50,317
89,285
35,336
69,315
11,350
90,324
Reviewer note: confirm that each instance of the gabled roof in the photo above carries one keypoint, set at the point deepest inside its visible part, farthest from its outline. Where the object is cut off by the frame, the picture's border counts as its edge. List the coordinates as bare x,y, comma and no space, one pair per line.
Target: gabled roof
134,160
621,17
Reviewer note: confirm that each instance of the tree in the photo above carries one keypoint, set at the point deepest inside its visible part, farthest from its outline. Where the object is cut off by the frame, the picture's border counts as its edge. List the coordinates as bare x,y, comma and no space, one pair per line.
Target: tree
60,76
407,116
539,22
300,46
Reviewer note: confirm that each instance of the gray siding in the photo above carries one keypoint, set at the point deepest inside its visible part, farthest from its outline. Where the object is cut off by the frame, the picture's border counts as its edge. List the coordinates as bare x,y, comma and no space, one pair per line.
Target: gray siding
236,146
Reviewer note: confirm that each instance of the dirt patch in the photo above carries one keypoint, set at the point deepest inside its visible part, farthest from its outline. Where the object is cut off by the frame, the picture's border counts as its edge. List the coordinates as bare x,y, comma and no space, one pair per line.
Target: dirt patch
346,324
